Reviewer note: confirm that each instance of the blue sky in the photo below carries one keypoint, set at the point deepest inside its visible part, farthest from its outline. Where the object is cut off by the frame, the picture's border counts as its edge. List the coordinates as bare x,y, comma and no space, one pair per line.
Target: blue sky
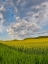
21,19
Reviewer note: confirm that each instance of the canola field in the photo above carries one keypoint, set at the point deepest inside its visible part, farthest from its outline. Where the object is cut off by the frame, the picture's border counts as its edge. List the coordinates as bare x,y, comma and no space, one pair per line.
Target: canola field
28,43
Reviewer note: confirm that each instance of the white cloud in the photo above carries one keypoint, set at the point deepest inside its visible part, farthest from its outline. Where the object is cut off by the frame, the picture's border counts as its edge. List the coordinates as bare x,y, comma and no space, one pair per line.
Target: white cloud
1,18
43,32
24,25
23,29
17,18
35,20
18,1
2,8
2,28
39,14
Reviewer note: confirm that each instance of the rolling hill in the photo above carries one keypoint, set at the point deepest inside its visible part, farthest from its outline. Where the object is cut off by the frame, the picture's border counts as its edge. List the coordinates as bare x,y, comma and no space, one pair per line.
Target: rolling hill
41,41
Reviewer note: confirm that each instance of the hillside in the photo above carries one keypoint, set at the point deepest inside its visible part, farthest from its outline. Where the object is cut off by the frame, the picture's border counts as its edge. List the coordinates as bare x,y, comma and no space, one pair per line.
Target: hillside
29,42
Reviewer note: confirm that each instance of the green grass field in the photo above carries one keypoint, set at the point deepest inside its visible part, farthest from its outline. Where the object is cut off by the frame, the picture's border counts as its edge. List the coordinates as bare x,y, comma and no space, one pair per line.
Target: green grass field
9,55
27,51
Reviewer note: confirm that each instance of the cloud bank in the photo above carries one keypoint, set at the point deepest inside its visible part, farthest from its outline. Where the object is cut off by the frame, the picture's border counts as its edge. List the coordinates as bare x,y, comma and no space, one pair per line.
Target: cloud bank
24,18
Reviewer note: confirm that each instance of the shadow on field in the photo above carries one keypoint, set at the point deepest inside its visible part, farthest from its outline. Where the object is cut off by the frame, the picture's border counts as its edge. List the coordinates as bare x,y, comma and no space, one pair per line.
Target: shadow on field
1,59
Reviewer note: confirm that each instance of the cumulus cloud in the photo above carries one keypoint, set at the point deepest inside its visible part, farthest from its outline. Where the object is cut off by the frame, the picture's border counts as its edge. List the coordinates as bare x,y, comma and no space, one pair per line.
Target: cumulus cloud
1,18
39,13
2,8
43,32
18,1
35,18
23,29
2,28
23,18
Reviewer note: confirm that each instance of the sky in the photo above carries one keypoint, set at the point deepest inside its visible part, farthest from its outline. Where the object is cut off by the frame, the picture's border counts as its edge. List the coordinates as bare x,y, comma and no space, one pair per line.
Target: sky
21,19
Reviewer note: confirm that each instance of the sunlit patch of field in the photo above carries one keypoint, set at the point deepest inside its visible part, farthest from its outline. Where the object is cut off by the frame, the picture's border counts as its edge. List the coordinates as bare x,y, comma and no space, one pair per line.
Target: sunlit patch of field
28,43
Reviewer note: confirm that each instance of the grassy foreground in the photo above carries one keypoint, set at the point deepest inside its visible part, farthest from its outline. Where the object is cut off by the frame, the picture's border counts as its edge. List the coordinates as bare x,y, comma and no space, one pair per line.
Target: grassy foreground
9,55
